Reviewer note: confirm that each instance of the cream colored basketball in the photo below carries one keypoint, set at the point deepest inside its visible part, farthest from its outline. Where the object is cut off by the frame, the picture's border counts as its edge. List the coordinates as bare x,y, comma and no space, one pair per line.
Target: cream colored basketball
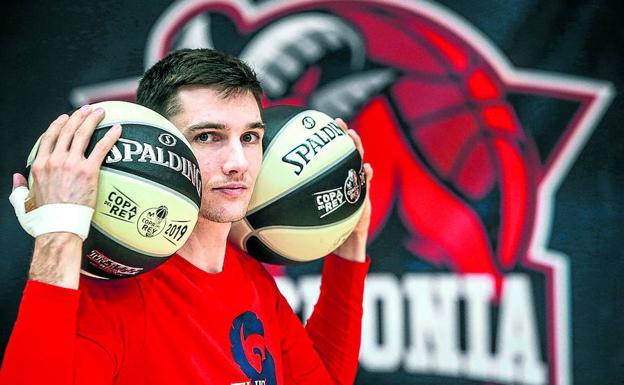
310,191
148,195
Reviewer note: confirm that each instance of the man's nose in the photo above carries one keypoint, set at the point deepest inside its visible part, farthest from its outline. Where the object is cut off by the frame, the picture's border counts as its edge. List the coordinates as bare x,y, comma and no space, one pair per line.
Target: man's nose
235,159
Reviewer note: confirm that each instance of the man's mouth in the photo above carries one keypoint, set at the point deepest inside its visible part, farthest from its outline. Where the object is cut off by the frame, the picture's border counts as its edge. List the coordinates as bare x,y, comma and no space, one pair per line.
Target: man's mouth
231,189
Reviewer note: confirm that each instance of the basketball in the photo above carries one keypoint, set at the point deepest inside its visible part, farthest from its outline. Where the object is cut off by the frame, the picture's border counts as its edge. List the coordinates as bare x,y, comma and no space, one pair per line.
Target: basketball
309,193
149,193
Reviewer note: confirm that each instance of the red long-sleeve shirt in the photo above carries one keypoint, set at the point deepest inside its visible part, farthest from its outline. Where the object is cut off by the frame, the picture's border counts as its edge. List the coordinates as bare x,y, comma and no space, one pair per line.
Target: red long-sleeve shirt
181,325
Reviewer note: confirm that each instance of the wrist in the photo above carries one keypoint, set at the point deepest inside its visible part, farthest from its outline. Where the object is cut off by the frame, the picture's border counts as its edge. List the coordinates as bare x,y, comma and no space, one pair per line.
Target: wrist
56,259
354,248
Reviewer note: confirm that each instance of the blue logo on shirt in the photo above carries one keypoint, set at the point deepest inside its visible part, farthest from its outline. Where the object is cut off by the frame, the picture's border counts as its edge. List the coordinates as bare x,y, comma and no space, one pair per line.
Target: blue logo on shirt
249,349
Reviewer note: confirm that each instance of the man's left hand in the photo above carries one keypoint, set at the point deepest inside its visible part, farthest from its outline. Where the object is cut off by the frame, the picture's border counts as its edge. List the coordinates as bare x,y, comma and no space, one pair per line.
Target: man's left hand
354,247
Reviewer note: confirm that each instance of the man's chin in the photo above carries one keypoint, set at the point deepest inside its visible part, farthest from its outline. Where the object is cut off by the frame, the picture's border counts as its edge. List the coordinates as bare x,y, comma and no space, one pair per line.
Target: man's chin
221,211
221,217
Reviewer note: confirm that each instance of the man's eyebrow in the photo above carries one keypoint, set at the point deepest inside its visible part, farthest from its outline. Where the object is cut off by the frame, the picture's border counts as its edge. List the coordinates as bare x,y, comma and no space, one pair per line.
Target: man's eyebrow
220,126
206,125
259,125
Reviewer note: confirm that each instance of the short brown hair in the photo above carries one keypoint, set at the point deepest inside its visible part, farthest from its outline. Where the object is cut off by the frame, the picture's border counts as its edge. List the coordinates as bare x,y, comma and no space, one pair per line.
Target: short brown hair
223,72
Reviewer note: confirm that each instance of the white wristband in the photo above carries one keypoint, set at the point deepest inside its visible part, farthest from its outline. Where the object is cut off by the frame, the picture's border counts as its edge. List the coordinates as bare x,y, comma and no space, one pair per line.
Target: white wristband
51,218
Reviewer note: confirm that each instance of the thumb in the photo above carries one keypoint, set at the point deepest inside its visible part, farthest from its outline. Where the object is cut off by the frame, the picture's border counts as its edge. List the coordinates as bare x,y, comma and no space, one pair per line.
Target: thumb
18,181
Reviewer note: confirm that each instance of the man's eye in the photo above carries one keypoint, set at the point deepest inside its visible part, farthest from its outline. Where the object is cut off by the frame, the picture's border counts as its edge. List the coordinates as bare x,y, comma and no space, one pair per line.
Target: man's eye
250,137
205,137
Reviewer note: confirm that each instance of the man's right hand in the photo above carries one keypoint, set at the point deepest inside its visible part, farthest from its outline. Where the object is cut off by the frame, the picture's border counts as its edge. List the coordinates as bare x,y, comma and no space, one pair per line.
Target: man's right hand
62,174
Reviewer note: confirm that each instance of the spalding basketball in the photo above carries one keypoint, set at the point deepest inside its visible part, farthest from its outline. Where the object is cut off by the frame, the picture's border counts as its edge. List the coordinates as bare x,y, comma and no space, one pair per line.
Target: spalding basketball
148,196
309,193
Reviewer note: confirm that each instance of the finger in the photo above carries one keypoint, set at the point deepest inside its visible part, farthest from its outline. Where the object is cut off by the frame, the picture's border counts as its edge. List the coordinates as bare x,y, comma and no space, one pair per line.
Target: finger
19,181
21,198
357,140
17,198
48,139
353,135
85,131
342,124
104,145
368,169
67,133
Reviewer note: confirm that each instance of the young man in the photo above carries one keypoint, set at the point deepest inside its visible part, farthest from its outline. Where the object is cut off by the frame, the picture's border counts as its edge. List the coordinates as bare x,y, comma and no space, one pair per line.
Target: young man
209,315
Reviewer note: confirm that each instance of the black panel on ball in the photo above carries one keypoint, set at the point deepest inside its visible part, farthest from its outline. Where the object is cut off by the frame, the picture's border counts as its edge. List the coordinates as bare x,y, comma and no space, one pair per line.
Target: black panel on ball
263,253
275,119
114,254
158,168
300,207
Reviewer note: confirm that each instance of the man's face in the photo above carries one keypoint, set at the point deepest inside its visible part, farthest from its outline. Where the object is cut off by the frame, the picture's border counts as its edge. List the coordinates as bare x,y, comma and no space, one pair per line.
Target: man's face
226,135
